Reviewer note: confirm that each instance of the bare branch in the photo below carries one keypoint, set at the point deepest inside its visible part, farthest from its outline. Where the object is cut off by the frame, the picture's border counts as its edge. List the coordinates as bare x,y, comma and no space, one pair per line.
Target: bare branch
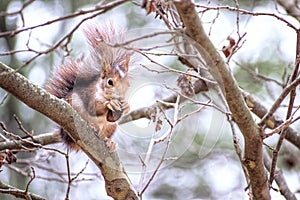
279,178
7,189
18,11
256,75
3,98
28,134
279,100
147,111
291,8
274,121
100,8
36,141
30,181
246,12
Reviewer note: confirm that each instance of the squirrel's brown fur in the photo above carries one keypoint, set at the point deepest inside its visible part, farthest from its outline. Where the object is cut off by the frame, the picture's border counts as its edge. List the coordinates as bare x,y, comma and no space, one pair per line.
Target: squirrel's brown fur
96,85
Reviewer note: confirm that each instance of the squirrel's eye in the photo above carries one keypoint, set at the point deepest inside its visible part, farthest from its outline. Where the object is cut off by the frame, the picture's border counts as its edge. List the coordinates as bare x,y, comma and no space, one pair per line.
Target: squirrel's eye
110,82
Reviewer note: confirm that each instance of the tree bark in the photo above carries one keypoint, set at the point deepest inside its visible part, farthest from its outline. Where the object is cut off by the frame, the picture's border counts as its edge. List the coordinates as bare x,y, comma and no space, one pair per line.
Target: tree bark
253,148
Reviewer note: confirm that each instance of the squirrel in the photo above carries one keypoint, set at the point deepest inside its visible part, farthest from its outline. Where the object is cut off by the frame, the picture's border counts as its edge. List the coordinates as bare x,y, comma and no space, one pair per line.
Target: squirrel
96,85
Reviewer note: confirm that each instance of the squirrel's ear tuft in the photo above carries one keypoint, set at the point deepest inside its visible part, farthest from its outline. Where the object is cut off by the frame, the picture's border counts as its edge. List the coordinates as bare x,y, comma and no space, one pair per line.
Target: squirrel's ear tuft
107,68
126,64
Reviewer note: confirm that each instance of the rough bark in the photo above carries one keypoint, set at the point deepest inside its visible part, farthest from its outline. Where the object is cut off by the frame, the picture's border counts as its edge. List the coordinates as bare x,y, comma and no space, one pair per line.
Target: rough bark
253,150
117,182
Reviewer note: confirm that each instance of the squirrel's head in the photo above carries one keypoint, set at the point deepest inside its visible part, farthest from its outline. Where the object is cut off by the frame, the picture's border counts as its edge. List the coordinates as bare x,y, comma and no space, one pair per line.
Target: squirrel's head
108,61
114,79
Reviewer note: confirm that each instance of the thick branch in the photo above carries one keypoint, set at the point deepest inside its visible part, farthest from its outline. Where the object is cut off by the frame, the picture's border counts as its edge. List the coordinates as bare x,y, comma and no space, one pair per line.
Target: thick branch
253,159
117,183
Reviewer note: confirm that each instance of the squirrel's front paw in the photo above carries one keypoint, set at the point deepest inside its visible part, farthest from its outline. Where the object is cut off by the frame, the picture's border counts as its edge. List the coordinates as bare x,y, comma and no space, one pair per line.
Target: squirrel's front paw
112,146
125,107
114,105
116,109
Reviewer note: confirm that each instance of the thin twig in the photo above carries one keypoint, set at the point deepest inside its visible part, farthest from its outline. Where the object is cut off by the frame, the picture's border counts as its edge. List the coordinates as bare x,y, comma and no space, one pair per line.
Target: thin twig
26,4
30,181
246,12
257,75
29,134
289,113
3,98
8,189
279,178
238,148
279,100
69,16
174,70
69,176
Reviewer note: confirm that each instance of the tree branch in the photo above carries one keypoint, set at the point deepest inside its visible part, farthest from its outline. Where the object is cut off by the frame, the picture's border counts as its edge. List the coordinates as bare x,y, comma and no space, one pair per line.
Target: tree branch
42,139
279,178
146,112
274,121
279,100
291,8
253,159
7,189
117,182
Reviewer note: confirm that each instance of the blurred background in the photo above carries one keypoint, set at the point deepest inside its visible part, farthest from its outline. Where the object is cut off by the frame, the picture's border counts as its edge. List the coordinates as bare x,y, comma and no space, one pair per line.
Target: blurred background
202,162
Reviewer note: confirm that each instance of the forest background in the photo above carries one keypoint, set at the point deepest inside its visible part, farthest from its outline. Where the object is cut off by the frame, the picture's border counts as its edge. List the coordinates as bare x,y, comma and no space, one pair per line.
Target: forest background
200,147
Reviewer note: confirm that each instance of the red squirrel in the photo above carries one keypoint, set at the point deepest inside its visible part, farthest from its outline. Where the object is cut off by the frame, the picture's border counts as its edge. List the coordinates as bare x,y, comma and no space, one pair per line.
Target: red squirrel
95,86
